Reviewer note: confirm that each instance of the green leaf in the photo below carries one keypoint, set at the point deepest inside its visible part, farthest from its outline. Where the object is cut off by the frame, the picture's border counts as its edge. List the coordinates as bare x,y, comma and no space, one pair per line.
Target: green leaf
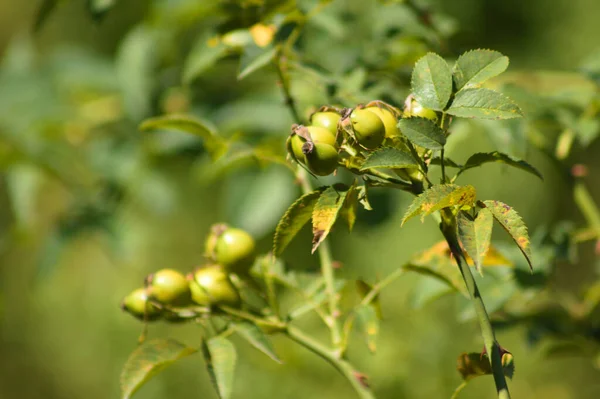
510,220
297,215
43,12
220,356
349,209
254,58
423,132
476,66
389,157
326,212
368,321
205,53
439,197
255,336
447,162
148,360
483,104
480,158
432,82
475,235
99,8
216,145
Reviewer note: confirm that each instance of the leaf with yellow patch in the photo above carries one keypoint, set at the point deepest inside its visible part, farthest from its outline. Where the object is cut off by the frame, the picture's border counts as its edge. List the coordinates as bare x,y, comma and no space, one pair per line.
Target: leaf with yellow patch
367,319
326,212
475,234
439,197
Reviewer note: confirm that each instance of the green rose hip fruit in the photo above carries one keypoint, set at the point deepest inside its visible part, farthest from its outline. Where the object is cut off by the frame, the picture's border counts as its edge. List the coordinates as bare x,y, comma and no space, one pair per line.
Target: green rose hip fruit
326,120
137,304
389,121
317,134
418,110
169,287
322,159
368,128
210,286
235,250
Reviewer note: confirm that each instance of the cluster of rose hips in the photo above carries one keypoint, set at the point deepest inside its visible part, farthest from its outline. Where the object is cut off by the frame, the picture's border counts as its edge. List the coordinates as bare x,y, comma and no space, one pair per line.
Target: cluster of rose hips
336,136
168,294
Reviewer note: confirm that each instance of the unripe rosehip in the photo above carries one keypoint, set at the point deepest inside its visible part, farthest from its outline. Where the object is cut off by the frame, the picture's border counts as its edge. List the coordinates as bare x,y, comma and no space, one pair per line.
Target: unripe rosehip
322,159
418,110
327,120
317,135
369,130
168,287
137,304
210,286
235,249
389,121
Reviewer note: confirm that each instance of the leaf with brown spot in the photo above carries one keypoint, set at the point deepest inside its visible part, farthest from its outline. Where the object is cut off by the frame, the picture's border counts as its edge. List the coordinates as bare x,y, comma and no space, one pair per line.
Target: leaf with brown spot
149,359
439,197
326,212
510,220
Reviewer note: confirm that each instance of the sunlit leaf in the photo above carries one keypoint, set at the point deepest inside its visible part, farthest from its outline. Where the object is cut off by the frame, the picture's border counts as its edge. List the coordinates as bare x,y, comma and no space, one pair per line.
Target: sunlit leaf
471,365
257,339
423,132
297,215
367,319
220,356
483,104
389,157
432,82
476,66
149,359
253,58
510,220
476,234
326,212
439,197
480,158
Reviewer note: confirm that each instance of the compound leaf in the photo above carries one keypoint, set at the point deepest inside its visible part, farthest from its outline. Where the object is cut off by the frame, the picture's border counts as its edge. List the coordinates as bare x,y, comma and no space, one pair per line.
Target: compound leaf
148,360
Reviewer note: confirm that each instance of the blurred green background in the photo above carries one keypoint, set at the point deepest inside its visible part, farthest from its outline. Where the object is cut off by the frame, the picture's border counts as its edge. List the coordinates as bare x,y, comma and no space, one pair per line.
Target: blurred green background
90,205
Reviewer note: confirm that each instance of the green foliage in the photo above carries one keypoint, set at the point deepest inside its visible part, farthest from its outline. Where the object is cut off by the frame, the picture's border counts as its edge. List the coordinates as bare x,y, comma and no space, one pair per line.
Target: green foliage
220,357
423,132
389,157
440,197
432,82
480,158
476,66
149,359
483,104
476,234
